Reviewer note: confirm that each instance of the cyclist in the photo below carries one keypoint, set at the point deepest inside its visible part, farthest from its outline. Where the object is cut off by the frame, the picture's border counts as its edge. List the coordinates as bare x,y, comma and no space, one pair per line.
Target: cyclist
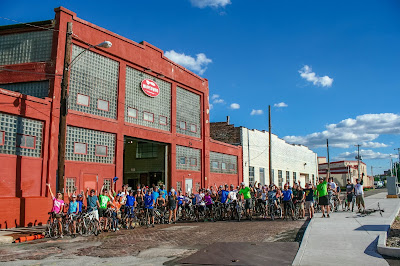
300,199
309,197
104,201
264,198
139,198
73,212
149,206
172,202
58,208
246,194
116,202
165,192
359,191
287,200
322,190
92,202
209,203
130,204
349,193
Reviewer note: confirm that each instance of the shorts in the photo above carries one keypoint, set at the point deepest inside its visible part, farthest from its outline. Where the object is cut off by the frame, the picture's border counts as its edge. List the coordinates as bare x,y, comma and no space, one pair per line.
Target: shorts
288,204
209,207
57,215
151,212
349,197
95,214
309,204
172,208
102,212
360,199
130,211
323,201
248,204
74,216
301,205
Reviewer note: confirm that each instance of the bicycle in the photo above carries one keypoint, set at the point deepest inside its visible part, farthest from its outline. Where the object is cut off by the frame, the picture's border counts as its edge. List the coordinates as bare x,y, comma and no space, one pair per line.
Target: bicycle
273,210
289,211
53,227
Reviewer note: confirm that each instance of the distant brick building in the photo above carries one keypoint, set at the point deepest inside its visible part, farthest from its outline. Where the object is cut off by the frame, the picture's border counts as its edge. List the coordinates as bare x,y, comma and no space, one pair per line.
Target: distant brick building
289,162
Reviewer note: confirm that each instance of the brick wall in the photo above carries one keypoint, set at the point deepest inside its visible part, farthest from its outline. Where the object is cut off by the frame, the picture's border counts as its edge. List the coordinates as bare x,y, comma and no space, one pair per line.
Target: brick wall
224,132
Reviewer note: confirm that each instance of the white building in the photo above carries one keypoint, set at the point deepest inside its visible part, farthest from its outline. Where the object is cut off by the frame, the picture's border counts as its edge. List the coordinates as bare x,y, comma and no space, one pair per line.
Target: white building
289,162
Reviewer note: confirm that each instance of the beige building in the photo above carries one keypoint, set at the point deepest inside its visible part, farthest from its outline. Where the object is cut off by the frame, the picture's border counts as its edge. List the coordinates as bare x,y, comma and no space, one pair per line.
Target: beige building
342,170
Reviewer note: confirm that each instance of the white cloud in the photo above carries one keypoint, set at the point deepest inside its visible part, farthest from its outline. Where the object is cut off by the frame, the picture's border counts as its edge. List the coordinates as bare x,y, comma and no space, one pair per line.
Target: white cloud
374,145
211,106
198,64
362,129
365,155
214,96
307,74
210,3
235,106
282,104
256,112
218,101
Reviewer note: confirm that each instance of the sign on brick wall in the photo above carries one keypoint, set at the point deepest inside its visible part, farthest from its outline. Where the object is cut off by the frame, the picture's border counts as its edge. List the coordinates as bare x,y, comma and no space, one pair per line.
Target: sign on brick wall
150,88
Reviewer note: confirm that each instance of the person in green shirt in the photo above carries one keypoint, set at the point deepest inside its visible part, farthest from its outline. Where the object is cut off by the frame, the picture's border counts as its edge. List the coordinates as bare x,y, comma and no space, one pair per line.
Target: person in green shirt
322,190
246,194
104,201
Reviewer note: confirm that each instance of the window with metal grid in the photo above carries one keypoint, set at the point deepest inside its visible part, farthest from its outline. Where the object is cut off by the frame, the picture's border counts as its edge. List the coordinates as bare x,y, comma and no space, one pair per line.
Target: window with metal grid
2,137
82,139
185,156
34,46
280,178
294,177
21,136
178,186
70,184
188,112
216,160
146,150
93,77
251,174
262,175
39,89
288,177
142,109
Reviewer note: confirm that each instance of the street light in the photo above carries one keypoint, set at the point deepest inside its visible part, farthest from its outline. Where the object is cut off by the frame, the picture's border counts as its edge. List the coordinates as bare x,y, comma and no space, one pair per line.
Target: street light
63,101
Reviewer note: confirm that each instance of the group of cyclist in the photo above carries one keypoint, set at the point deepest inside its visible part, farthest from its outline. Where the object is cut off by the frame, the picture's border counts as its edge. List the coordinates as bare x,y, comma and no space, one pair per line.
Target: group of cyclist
257,199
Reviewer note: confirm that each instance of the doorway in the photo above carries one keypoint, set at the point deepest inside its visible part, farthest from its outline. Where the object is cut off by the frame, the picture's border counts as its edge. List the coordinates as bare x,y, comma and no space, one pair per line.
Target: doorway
145,162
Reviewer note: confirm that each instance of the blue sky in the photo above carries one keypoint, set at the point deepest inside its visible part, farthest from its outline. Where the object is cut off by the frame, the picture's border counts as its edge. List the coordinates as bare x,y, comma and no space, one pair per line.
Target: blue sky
332,66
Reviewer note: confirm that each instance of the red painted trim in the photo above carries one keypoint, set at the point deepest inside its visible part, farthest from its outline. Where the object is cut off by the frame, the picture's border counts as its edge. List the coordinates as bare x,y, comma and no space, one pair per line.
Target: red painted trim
166,120
80,103
108,105
3,139
144,112
95,149
132,109
23,145
79,152
180,125
195,128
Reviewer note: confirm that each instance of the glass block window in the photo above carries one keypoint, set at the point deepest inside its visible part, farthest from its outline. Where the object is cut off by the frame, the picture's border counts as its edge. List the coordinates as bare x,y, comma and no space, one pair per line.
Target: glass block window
188,111
70,184
26,47
132,112
146,150
101,150
182,160
25,141
280,178
80,148
39,89
193,162
178,186
148,117
96,77
251,174
262,175
288,177
107,184
294,177
223,166
163,120
90,139
157,106
189,154
21,136
231,160
182,125
214,165
2,137
82,99
103,105
197,186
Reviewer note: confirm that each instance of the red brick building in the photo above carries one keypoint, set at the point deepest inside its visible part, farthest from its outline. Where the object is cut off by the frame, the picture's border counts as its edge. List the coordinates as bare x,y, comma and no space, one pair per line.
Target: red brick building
132,113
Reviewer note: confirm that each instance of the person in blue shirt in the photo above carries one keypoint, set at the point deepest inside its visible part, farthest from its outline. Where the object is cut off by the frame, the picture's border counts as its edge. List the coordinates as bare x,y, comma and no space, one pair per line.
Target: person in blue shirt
180,199
287,200
73,211
164,190
149,203
223,194
155,194
130,204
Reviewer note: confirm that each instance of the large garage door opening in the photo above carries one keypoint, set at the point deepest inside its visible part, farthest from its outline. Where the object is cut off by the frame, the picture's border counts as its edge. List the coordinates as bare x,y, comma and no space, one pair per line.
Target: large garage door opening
145,162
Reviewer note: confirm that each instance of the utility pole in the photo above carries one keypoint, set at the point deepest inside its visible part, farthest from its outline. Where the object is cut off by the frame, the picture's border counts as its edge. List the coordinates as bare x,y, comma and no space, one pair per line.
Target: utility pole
64,109
329,163
270,144
398,151
358,160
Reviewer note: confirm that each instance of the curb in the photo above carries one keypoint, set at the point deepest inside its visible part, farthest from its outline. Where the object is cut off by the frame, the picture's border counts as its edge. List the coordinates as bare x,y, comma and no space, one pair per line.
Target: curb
6,239
303,244
381,245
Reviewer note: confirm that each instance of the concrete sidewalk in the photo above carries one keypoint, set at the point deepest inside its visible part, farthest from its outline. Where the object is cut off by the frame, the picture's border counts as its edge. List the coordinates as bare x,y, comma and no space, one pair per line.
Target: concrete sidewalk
348,238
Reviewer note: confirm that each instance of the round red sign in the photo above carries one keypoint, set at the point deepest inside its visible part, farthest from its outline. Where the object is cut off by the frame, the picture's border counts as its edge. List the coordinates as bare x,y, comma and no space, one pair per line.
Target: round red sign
150,88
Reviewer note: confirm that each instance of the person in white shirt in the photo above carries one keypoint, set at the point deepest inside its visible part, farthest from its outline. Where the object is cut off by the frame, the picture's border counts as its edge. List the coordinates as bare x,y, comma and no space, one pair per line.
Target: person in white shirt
359,191
333,184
